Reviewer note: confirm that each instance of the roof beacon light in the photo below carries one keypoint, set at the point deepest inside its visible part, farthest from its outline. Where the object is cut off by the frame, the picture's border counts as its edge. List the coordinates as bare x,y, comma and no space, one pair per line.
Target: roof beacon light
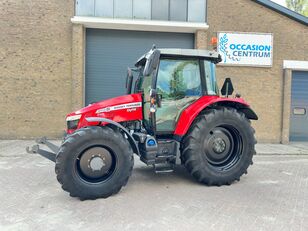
214,41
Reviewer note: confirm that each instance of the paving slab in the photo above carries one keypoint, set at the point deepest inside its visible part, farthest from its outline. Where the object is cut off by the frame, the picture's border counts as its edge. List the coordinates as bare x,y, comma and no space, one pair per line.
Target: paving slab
272,196
282,149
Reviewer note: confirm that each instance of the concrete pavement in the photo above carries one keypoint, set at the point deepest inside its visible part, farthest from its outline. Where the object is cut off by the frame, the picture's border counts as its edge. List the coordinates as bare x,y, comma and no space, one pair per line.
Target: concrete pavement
273,196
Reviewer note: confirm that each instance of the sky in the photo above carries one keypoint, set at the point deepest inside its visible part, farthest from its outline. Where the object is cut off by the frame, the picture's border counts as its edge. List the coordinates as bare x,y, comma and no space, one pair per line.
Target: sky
281,2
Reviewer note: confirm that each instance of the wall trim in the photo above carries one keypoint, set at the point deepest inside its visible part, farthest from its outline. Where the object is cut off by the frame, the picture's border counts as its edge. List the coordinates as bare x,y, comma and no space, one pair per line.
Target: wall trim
286,105
78,67
139,25
295,65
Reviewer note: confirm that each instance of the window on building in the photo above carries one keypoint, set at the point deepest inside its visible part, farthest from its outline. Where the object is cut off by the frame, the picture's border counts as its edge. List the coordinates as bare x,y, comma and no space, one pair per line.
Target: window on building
160,10
196,10
167,10
104,8
178,10
123,8
85,8
142,9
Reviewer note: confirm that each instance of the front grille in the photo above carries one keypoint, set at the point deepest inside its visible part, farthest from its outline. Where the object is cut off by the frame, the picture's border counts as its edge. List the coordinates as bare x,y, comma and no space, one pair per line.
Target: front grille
72,124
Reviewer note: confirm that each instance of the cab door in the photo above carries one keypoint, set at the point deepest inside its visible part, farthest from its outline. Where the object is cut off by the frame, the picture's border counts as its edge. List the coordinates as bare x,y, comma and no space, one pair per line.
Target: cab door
178,84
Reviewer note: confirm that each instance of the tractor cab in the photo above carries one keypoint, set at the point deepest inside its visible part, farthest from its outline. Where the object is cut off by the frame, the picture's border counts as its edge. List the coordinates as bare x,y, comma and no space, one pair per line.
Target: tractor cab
171,80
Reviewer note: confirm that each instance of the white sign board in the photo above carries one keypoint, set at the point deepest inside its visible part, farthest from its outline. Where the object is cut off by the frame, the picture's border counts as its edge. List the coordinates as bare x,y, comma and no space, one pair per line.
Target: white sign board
245,49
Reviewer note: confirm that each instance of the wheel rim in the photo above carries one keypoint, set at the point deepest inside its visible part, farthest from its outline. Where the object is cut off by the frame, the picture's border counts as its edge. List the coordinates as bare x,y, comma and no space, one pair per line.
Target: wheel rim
96,164
223,147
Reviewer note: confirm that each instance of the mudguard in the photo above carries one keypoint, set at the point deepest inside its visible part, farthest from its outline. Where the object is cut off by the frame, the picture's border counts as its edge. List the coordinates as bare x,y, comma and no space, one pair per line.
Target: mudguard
129,136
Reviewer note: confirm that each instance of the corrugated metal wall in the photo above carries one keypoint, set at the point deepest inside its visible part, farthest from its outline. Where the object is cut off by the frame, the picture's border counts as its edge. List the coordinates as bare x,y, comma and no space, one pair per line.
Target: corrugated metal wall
110,52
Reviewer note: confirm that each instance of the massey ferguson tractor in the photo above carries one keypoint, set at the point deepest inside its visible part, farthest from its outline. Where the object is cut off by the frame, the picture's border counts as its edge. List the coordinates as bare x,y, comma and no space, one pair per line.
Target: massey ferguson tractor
172,114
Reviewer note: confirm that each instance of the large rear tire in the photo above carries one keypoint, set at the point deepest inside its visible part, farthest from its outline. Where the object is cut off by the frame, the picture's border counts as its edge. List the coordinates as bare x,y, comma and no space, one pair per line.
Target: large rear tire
94,162
219,146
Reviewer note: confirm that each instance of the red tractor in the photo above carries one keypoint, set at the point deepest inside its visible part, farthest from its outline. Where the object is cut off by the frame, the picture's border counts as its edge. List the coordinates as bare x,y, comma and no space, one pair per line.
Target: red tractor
173,115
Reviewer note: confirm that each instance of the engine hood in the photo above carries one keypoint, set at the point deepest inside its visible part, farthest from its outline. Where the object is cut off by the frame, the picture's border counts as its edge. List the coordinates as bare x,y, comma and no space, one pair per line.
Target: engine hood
119,109
106,105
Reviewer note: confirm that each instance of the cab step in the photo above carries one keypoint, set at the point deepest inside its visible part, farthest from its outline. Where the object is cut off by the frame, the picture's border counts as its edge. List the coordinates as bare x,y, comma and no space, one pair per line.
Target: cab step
163,159
163,168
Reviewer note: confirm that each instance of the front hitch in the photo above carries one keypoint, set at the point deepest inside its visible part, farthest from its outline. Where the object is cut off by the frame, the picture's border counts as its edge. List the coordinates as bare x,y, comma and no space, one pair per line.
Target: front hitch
35,149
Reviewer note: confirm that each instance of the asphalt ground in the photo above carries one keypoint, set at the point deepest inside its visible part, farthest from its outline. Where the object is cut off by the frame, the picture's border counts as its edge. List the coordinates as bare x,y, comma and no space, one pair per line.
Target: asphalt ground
272,196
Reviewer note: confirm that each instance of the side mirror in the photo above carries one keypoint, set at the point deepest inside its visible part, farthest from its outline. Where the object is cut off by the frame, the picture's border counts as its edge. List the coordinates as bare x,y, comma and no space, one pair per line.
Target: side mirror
153,100
152,62
129,80
227,89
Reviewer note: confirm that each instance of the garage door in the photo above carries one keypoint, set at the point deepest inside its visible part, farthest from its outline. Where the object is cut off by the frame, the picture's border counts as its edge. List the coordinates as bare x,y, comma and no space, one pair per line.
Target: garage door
299,107
110,52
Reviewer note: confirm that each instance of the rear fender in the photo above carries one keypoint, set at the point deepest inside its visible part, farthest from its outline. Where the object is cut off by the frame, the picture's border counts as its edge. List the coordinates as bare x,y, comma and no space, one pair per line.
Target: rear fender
249,113
190,114
129,136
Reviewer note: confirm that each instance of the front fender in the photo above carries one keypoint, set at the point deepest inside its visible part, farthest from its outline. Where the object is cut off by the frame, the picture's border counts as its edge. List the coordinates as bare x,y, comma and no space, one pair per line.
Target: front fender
129,136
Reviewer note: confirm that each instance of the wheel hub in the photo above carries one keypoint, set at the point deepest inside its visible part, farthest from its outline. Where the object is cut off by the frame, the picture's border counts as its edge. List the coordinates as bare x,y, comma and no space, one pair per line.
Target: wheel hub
219,145
95,162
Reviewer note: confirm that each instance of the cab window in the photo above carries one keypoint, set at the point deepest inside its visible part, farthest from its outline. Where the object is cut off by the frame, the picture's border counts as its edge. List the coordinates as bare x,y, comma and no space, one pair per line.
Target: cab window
210,78
177,79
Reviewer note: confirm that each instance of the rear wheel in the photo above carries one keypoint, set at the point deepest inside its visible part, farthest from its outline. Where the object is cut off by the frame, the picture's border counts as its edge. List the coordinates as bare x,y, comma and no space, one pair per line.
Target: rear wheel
94,162
219,146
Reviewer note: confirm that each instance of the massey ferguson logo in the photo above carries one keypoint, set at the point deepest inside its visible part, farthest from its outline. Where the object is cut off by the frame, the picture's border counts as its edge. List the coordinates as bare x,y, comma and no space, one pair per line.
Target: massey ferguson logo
129,106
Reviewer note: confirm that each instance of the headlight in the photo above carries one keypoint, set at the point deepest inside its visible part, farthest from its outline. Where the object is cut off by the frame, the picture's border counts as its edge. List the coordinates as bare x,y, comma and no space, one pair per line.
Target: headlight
73,124
74,117
72,121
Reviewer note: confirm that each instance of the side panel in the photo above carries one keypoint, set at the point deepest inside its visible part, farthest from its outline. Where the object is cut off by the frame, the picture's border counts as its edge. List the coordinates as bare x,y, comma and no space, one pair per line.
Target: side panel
190,113
122,112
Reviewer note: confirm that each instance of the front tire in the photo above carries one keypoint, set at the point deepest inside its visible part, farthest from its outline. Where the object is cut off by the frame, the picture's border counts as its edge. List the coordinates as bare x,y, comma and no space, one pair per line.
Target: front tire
219,147
94,162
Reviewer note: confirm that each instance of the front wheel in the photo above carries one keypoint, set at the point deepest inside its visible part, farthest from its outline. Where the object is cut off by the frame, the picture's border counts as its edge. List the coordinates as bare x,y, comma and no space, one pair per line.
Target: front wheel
219,146
94,162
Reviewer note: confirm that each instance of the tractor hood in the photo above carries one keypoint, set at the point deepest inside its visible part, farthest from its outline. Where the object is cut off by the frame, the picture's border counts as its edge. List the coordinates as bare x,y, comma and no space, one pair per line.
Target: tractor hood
105,105
118,109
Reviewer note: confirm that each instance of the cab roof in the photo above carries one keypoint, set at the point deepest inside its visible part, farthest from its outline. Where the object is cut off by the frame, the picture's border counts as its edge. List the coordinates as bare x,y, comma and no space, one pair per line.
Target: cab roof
189,53
197,53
